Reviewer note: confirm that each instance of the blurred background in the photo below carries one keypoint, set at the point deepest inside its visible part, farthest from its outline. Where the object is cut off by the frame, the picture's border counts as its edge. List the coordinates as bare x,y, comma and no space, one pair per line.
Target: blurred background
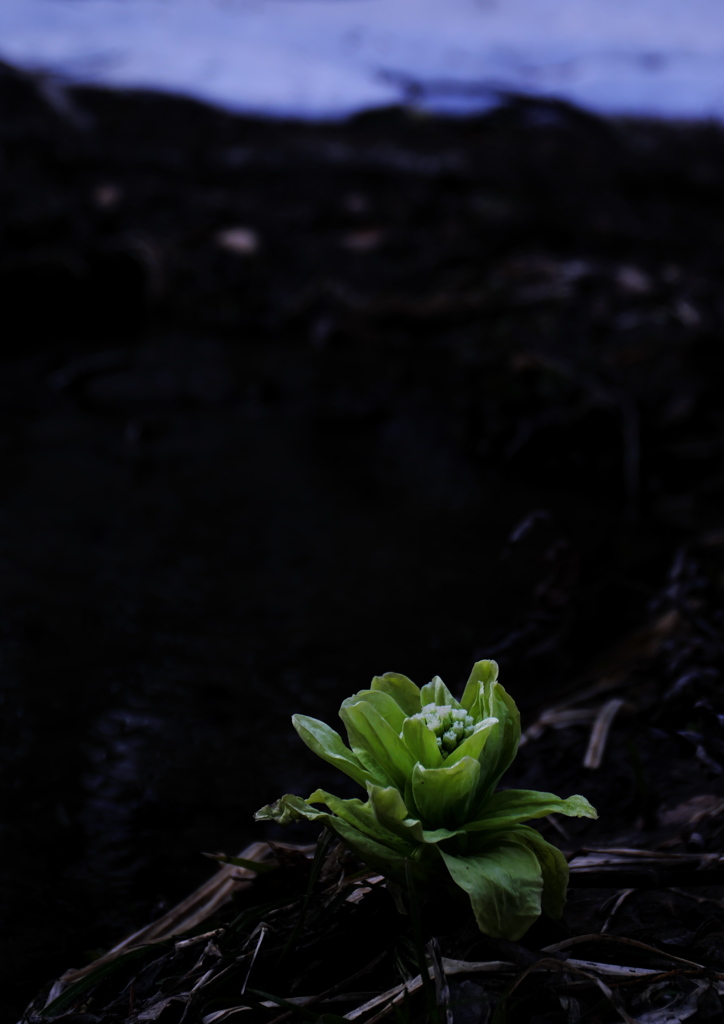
331,58
338,337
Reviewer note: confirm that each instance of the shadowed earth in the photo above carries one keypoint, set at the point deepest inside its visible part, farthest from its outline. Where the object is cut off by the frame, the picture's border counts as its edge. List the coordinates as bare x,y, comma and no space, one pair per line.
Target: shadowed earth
284,406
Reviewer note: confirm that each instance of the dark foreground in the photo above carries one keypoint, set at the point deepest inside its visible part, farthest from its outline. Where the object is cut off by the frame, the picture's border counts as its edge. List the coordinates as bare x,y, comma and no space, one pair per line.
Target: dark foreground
286,406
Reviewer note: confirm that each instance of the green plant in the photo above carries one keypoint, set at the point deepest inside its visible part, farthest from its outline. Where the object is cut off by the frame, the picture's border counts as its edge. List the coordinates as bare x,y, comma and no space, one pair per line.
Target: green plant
430,765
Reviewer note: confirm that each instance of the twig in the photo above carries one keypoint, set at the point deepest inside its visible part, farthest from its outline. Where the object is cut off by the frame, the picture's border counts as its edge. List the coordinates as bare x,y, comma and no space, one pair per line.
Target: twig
599,732
262,935
620,940
619,900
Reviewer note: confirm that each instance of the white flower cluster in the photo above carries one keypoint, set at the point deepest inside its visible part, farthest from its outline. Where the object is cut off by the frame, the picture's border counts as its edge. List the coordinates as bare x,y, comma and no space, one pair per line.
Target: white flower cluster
450,725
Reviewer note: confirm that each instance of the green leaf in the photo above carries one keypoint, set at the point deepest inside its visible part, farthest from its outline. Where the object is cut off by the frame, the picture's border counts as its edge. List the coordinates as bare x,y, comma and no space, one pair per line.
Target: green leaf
328,744
360,815
474,744
353,822
554,868
421,743
484,674
374,770
401,689
504,884
442,796
511,806
391,812
502,746
287,809
380,856
370,734
435,692
383,703
433,836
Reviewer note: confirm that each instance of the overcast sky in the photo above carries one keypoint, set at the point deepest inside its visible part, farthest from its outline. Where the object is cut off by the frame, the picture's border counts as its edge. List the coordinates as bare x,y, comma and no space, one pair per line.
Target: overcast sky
328,58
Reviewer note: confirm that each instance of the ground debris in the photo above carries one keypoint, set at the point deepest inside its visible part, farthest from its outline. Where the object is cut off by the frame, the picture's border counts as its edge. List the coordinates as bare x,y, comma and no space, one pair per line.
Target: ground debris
250,367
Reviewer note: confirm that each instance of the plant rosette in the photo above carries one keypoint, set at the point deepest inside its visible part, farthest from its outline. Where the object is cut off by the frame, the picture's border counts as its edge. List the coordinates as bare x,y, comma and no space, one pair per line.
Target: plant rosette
430,765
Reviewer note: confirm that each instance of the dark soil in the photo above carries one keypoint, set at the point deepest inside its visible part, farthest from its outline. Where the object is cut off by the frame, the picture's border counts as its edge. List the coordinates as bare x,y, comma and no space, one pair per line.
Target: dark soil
284,406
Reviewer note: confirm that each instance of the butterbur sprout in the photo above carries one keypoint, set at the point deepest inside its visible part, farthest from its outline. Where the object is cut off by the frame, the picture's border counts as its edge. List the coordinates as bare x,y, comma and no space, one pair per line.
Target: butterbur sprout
430,766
